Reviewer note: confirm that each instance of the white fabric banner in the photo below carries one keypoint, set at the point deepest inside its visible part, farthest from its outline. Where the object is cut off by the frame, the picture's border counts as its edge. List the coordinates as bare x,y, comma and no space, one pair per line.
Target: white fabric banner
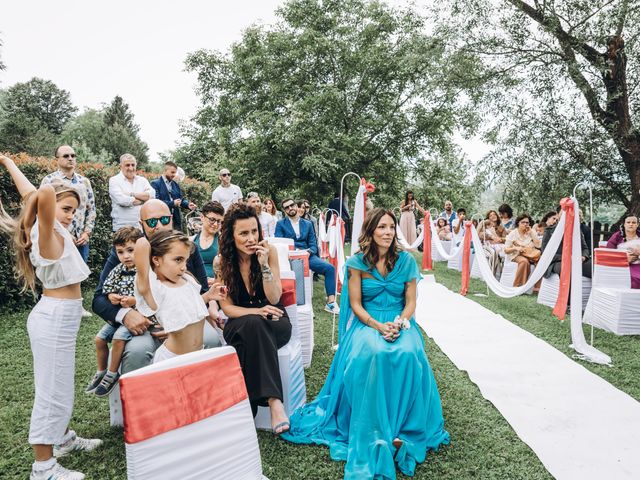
358,220
339,242
322,228
403,241
455,250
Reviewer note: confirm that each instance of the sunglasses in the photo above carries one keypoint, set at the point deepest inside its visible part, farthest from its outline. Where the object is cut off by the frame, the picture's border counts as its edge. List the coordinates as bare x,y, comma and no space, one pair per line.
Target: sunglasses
68,155
287,207
225,174
213,221
152,222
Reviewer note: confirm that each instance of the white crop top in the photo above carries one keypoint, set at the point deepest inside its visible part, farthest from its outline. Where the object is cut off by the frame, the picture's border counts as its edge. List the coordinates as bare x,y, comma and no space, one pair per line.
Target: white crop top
66,270
177,306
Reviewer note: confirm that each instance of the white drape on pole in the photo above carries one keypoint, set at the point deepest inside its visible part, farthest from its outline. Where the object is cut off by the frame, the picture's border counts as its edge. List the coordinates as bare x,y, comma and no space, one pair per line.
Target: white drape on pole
358,219
455,249
403,241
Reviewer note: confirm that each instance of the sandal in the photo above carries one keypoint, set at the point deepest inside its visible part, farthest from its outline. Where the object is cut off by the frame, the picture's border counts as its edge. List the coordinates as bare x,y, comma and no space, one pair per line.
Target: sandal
281,425
397,443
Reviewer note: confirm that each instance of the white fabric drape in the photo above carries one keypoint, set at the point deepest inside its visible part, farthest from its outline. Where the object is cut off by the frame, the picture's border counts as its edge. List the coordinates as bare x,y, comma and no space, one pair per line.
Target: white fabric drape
455,249
322,228
403,241
339,243
358,220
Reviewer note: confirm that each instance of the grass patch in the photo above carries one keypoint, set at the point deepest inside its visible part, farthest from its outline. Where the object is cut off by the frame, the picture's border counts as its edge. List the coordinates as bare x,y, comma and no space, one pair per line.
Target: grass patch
483,445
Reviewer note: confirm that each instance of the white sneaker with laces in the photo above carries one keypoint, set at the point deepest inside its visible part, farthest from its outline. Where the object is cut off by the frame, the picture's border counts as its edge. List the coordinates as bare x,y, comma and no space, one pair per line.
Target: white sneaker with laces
76,444
332,308
86,313
57,472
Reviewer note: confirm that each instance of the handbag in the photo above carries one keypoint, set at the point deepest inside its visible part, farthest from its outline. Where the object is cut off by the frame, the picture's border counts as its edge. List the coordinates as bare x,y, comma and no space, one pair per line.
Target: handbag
531,253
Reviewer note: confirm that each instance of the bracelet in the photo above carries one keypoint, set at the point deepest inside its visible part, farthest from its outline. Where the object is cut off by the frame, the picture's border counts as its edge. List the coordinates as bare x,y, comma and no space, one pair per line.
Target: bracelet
267,275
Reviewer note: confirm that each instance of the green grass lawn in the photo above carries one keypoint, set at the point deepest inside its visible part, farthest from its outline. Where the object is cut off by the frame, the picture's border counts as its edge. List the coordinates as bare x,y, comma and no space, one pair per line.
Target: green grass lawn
483,445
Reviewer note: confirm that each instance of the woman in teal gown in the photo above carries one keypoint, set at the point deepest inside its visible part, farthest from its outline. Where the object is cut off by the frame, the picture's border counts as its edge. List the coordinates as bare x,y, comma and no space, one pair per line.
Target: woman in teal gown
380,404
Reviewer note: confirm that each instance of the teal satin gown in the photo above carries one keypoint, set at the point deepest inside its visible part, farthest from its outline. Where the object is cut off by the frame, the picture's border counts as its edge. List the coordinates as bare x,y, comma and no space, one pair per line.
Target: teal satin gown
376,391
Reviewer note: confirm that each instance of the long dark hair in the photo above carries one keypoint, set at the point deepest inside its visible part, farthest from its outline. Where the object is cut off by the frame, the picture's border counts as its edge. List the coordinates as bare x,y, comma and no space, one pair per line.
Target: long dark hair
623,232
497,216
406,197
229,257
368,246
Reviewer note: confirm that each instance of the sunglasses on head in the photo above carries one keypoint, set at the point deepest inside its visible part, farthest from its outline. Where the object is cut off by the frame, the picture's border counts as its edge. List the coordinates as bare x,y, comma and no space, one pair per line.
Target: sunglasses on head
68,155
152,222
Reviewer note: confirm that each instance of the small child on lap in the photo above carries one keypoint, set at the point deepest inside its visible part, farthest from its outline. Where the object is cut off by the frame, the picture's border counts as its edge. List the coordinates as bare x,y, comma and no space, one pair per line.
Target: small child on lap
119,287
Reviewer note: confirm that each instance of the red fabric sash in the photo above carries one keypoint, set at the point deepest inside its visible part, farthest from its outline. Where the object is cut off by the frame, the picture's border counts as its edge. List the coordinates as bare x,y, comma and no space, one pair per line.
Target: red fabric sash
466,258
288,296
611,258
560,309
427,259
163,401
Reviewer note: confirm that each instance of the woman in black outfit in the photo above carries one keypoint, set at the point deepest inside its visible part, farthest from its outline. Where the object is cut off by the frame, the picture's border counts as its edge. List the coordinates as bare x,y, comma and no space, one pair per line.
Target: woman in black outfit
258,324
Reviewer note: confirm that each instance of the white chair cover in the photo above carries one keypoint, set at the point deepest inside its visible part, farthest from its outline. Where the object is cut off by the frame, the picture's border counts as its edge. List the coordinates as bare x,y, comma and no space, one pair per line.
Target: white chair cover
550,287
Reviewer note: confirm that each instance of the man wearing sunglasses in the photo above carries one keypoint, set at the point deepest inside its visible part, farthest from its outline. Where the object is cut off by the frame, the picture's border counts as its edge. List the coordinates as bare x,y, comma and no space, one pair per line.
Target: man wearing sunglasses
84,219
168,191
226,193
154,217
304,238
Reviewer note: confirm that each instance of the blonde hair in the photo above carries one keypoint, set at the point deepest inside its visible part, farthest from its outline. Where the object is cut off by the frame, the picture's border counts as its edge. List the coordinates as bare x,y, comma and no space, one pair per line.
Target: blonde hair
15,228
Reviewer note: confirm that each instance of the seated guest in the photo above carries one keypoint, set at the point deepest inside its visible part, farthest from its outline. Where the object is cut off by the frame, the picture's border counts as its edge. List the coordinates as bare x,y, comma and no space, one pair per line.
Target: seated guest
444,229
549,219
270,207
258,324
139,351
301,232
628,238
458,227
556,262
267,221
493,236
522,246
506,217
448,213
206,240
304,207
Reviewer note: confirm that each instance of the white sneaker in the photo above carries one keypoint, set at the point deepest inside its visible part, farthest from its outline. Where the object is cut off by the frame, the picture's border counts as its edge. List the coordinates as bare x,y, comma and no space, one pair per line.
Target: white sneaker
332,308
86,313
76,444
57,472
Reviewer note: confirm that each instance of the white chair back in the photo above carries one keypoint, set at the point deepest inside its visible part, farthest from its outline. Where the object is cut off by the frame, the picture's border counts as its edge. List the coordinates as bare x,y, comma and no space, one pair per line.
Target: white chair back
611,269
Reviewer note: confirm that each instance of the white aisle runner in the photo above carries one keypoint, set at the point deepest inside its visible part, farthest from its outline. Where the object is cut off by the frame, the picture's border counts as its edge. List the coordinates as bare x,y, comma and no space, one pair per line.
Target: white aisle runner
579,425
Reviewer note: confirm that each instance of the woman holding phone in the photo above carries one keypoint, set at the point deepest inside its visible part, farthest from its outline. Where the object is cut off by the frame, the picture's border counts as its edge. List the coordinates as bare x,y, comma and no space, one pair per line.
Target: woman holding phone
258,324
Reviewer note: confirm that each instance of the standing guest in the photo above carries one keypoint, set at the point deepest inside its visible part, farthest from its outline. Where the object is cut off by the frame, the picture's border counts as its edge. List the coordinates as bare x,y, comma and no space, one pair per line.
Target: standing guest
168,191
629,232
380,404
448,213
522,246
270,207
128,192
119,288
226,193
443,228
166,291
154,217
45,250
506,217
258,323
207,239
84,220
585,229
301,232
267,221
408,208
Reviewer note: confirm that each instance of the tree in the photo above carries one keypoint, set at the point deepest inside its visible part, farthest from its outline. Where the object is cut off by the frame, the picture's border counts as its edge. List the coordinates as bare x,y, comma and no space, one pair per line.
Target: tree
334,86
2,65
118,113
562,86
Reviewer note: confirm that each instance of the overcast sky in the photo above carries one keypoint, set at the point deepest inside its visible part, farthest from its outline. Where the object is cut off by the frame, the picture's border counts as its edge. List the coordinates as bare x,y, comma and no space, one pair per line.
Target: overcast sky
135,49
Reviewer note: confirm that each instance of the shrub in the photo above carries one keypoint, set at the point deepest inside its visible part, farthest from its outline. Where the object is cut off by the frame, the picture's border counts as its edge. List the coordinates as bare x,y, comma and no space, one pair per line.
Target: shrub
35,169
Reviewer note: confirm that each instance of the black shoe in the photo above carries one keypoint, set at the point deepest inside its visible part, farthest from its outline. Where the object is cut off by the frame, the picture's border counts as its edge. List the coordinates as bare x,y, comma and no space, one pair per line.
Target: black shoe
93,384
106,385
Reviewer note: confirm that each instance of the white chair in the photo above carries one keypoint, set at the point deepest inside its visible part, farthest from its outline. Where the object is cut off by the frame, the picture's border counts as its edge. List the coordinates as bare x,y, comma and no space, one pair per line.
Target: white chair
189,417
509,274
305,311
613,306
446,244
456,262
550,287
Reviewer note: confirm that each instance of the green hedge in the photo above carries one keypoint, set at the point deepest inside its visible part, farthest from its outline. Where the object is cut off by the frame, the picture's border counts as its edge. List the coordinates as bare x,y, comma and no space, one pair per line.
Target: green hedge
35,169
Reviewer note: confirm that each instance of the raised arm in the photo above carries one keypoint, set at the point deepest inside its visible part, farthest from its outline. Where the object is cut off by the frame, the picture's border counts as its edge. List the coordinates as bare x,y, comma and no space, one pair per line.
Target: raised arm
142,253
22,183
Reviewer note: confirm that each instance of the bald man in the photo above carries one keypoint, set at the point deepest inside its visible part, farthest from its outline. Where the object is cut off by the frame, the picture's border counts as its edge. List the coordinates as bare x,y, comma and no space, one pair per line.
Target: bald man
141,348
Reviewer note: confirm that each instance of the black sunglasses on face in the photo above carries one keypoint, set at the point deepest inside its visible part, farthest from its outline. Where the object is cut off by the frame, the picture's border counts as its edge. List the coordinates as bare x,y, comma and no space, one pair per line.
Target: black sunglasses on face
152,222
68,155
287,207
225,174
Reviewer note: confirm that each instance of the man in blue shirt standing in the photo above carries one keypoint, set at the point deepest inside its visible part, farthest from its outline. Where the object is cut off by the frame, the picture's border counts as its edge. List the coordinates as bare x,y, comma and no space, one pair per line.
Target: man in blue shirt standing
304,238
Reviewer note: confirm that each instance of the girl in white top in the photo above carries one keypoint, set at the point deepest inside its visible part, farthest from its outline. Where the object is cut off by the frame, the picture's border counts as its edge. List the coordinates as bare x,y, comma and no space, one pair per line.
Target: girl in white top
45,250
168,291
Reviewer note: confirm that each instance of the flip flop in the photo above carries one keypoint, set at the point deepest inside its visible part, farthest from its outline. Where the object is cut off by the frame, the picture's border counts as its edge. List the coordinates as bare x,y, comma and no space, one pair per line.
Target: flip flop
281,425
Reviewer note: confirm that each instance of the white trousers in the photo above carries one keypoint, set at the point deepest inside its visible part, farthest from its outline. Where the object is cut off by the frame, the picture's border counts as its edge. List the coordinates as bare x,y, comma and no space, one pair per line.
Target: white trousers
53,327
163,353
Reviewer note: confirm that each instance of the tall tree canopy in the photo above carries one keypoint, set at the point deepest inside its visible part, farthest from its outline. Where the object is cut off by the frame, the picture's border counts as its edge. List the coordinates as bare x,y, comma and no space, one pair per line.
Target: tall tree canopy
562,91
334,86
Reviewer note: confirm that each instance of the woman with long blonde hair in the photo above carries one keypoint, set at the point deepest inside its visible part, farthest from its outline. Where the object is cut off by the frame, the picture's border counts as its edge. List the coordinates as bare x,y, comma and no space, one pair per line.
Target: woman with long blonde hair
46,252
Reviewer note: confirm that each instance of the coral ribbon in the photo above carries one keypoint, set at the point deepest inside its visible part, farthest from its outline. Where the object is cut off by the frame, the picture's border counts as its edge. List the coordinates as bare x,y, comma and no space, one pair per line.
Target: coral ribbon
466,258
427,259
163,401
288,296
560,309
611,258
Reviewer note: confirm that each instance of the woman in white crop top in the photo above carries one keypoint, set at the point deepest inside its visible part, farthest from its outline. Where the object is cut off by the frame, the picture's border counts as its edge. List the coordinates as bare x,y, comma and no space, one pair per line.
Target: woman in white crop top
44,250
170,293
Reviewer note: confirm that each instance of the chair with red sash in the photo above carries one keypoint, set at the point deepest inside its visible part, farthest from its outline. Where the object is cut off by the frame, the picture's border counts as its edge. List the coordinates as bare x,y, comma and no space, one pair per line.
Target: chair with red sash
189,417
613,306
305,310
